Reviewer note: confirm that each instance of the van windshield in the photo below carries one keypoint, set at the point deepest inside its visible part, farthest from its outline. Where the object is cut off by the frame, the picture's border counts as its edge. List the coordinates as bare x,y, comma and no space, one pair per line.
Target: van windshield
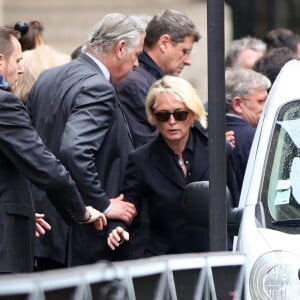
281,186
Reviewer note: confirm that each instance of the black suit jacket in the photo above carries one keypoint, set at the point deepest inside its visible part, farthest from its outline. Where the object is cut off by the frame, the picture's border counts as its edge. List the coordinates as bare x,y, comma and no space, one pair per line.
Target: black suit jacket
244,134
23,156
77,114
133,91
154,176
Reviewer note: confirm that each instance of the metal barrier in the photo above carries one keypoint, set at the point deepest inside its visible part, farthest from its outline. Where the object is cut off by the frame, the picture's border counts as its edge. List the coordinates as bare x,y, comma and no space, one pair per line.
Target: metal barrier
204,276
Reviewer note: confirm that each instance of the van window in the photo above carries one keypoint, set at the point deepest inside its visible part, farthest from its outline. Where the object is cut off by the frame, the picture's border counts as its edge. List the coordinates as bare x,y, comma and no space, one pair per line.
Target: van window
281,183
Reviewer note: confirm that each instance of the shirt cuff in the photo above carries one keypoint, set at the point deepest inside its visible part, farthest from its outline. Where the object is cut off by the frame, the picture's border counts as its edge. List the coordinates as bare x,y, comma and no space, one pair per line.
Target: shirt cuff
107,209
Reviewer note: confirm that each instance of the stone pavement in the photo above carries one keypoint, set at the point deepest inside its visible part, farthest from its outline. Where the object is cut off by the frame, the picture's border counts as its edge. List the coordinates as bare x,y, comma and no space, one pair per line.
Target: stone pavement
68,22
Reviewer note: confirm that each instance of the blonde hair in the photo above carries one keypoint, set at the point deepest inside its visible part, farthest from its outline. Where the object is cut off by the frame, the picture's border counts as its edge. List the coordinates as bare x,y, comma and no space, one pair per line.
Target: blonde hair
34,62
183,91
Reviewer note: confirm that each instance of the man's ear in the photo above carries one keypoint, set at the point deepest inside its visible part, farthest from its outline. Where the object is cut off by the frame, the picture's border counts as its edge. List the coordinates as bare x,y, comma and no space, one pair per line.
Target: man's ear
164,42
4,85
120,49
236,105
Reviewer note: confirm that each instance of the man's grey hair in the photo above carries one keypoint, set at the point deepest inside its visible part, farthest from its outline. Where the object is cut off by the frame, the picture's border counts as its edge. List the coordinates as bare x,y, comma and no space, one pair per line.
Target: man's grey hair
239,82
110,30
239,45
142,20
174,23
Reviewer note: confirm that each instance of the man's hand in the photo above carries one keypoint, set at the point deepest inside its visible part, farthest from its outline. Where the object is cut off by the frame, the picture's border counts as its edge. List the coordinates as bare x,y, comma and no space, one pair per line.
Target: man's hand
93,215
121,210
117,237
229,135
41,225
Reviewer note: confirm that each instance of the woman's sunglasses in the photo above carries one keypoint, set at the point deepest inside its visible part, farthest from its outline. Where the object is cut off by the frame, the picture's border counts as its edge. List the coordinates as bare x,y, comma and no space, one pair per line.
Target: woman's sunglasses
164,116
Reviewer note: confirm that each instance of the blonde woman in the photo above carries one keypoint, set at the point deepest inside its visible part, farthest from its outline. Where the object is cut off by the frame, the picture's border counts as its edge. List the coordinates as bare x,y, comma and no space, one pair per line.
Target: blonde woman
34,62
159,171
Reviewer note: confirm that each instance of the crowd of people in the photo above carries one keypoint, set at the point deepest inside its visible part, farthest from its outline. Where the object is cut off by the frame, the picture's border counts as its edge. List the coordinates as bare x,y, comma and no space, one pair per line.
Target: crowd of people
252,65
97,147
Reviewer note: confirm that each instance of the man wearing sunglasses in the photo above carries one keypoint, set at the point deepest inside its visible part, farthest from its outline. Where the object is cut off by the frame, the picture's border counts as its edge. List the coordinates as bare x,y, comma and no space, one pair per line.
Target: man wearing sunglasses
246,94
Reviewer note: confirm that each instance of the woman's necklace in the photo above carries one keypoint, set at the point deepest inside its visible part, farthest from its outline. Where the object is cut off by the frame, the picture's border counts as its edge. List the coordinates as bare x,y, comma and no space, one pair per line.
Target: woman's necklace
182,166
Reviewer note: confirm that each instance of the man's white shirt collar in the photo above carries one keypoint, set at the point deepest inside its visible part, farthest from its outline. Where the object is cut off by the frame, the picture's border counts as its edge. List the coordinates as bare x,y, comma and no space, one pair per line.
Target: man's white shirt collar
233,115
101,66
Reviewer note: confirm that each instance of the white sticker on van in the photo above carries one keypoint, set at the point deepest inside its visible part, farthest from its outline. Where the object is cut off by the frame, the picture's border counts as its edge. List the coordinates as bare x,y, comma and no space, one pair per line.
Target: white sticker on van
282,197
283,192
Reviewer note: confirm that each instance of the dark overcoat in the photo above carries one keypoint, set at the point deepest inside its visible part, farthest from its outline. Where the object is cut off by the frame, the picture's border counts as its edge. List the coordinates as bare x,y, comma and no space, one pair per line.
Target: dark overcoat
133,92
24,157
77,114
244,134
153,175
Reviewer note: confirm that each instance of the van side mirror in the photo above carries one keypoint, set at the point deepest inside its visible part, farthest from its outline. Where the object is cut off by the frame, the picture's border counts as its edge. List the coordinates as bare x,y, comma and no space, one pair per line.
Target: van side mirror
196,206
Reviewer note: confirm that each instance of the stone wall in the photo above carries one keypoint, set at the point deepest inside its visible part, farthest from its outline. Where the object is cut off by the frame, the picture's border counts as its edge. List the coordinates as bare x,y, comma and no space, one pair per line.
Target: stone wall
68,22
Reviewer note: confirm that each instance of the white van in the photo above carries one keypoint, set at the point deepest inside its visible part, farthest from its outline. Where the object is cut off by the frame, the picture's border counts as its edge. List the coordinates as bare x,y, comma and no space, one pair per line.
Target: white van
269,233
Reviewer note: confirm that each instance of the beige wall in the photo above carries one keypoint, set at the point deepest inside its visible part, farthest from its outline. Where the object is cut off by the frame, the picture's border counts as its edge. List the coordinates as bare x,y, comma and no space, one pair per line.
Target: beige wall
1,12
68,22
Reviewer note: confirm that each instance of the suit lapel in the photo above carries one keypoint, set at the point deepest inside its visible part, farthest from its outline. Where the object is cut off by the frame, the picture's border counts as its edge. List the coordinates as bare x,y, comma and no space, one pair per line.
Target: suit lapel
200,156
200,162
86,58
164,162
124,117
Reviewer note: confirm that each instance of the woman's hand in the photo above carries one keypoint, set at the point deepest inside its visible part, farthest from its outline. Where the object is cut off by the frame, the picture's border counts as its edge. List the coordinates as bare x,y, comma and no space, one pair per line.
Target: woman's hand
117,237
41,225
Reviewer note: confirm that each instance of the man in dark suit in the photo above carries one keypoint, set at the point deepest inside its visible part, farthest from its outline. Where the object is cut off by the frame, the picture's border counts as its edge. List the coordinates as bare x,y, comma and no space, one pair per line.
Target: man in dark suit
246,93
77,114
23,156
169,40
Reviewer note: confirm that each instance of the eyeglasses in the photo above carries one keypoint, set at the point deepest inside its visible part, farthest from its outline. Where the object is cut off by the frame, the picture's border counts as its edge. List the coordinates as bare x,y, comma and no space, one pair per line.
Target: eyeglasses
22,27
164,116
